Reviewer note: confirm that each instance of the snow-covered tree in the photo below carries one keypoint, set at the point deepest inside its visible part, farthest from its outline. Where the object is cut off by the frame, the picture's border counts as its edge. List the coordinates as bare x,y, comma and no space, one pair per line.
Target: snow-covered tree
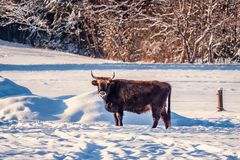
167,31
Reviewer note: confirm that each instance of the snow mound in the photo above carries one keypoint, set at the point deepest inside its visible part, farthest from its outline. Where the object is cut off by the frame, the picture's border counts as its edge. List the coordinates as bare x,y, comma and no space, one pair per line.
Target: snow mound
18,103
30,108
9,88
85,108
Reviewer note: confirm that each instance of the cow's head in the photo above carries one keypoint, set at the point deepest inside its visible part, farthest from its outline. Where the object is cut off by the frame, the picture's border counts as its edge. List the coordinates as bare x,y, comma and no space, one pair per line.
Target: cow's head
103,84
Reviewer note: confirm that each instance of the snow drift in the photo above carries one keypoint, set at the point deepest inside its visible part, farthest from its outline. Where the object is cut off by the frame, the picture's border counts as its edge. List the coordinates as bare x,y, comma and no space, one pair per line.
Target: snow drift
18,103
9,88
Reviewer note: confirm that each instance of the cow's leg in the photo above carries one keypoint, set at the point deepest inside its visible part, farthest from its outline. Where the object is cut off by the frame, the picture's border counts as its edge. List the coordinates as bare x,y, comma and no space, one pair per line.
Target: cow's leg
115,119
120,118
156,116
164,117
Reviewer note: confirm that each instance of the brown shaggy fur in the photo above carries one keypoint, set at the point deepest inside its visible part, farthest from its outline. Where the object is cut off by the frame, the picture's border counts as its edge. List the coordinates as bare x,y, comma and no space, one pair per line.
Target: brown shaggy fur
135,96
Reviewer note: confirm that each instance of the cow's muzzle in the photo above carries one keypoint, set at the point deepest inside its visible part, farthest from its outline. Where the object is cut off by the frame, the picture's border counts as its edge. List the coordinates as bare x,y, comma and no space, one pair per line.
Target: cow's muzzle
102,94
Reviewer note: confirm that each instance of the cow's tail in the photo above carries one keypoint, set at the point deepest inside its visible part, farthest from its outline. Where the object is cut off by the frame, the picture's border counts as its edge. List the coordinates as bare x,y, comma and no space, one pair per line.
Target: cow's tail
169,107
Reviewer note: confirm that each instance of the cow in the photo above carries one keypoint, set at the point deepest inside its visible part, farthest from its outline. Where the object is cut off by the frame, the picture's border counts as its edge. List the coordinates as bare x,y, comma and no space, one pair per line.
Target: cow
135,96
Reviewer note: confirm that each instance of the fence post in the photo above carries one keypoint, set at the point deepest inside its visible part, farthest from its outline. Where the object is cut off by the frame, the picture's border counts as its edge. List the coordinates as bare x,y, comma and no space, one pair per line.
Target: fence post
220,100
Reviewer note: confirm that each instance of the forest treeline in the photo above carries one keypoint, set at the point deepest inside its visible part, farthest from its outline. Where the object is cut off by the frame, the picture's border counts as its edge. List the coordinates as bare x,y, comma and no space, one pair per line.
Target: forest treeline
165,31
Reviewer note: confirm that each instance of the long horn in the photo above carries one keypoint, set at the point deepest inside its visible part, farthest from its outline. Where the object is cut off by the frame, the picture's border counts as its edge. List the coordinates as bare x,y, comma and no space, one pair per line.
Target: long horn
113,75
93,75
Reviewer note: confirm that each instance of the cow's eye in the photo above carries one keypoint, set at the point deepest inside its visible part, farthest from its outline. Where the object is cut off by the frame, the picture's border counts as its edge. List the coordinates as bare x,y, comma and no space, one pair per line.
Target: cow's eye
108,84
94,82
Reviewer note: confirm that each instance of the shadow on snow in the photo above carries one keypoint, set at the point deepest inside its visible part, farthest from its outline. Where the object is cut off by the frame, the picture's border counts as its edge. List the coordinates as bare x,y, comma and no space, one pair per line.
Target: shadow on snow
115,66
179,120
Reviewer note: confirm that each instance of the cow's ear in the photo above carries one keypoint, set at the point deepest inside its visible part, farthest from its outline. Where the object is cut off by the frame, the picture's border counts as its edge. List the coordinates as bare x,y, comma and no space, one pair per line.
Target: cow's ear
94,82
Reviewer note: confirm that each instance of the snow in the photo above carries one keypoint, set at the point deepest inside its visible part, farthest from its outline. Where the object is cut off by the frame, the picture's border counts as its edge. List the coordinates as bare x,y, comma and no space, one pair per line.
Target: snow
50,110
9,88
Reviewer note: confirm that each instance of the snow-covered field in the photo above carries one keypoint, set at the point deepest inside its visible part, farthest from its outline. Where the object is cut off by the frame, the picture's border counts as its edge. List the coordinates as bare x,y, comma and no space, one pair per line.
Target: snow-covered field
50,110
